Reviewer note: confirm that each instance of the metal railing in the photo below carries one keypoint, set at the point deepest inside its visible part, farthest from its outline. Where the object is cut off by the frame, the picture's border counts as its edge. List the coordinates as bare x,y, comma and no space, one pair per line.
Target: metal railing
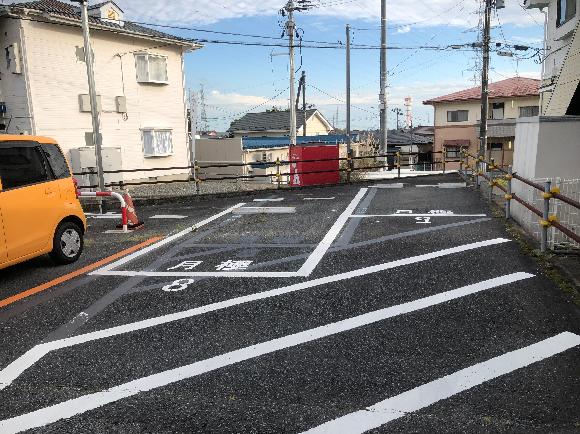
391,161
482,169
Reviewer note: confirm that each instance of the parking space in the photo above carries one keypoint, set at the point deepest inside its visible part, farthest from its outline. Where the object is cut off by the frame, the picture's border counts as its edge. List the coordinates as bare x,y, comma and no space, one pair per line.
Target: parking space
404,309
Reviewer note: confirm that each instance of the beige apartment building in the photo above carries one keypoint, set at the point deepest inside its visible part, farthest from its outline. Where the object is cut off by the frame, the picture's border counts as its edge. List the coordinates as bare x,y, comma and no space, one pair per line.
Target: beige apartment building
139,80
457,118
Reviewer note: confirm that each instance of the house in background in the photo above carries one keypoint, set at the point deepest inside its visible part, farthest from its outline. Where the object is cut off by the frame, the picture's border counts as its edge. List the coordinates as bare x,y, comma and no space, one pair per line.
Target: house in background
139,82
277,123
258,153
457,118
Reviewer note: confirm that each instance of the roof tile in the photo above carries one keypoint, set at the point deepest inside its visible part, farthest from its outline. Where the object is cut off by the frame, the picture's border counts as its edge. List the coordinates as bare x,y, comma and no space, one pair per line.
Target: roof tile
509,88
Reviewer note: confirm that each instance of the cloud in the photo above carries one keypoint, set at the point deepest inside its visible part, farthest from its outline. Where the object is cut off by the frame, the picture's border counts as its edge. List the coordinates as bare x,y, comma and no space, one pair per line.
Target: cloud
404,29
418,12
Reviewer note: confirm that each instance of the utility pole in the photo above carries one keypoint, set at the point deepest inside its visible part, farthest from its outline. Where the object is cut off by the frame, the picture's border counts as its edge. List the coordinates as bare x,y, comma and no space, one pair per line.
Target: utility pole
290,28
348,141
383,92
485,79
193,130
302,91
304,102
398,112
95,115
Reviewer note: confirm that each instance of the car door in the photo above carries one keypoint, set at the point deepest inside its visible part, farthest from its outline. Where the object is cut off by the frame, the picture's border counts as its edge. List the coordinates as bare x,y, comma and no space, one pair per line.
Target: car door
29,199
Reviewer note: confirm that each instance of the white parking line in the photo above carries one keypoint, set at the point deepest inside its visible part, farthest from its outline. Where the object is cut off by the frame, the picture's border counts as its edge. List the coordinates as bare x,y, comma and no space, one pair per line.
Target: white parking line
18,366
445,387
265,210
399,185
168,217
92,401
163,242
358,216
279,199
304,271
316,256
320,198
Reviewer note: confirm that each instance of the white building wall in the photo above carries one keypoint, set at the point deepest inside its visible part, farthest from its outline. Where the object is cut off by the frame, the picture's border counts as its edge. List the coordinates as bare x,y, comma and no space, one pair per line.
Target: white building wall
57,78
13,87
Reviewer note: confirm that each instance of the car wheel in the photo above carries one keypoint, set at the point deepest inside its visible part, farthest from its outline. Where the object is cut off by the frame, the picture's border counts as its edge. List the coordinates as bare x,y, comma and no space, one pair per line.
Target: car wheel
68,243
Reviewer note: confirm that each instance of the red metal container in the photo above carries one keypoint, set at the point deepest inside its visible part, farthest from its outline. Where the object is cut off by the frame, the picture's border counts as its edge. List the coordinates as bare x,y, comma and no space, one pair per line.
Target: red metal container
329,170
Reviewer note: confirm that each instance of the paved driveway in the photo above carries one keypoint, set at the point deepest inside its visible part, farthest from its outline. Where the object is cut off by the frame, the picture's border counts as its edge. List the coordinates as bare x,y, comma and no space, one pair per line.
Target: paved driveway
387,308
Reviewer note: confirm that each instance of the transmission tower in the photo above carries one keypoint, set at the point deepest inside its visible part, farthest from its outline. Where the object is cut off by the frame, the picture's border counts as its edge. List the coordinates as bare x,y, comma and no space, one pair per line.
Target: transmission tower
204,126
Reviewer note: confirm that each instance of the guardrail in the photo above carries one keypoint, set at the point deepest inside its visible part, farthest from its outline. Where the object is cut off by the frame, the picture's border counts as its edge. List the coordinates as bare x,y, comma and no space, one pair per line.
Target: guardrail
482,169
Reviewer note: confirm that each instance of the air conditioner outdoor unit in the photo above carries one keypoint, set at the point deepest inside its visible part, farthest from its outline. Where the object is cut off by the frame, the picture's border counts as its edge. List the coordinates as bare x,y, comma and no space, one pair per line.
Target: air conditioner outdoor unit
83,160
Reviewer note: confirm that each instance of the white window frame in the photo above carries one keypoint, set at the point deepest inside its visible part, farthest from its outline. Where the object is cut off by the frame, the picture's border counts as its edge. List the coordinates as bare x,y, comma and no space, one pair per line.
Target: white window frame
153,131
148,78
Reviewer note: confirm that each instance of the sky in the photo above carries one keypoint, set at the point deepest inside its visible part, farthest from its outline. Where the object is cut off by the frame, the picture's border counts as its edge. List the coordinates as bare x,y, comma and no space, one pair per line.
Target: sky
240,78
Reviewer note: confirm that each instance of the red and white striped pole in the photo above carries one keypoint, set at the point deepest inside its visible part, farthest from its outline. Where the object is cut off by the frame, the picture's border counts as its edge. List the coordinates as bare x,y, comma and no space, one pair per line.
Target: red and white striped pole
120,198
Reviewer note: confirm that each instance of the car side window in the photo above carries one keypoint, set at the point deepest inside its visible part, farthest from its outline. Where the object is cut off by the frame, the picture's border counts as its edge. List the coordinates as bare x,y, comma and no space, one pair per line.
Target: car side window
56,161
22,166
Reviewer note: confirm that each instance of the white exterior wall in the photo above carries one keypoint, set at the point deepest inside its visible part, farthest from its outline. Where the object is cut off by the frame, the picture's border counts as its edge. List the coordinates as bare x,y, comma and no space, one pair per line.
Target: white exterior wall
548,147
57,78
13,87
557,38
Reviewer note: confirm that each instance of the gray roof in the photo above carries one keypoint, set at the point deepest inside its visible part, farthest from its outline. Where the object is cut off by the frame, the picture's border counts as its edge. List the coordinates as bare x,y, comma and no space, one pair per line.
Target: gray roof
69,11
403,137
269,121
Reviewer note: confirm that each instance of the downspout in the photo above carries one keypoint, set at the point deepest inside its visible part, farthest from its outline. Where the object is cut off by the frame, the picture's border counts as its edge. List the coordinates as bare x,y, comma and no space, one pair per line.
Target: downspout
25,72
189,138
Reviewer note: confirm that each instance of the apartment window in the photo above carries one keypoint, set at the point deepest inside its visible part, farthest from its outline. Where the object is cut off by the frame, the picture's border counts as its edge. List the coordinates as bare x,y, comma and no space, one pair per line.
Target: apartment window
529,111
157,142
151,68
566,11
497,110
457,116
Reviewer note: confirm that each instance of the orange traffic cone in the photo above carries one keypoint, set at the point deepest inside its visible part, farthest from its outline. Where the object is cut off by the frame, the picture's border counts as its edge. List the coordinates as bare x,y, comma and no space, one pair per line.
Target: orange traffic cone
132,219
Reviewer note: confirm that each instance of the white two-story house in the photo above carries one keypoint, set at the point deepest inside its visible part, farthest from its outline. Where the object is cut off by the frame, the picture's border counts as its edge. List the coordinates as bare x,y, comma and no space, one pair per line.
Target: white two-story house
139,78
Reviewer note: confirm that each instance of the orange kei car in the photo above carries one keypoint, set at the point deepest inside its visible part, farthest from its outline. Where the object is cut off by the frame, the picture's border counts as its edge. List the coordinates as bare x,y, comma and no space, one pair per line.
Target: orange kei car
39,210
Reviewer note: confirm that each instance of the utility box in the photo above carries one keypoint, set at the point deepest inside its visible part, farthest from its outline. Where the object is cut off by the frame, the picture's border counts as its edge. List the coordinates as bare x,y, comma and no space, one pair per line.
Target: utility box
85,103
83,160
305,171
121,104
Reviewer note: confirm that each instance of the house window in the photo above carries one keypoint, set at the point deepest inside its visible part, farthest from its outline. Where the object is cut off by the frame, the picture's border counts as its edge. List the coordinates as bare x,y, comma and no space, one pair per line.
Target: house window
566,11
452,152
496,146
151,68
157,142
529,111
457,116
266,157
496,111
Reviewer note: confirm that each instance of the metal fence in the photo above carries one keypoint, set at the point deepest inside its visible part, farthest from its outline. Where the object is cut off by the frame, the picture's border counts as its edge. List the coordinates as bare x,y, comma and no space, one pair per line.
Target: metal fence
553,204
277,171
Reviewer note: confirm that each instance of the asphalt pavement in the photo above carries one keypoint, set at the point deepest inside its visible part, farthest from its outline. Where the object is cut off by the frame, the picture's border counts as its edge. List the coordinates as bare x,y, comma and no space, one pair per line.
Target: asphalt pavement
388,307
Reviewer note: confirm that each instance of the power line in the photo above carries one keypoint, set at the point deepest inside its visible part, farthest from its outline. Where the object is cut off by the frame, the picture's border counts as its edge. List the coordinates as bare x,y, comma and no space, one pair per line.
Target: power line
341,100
